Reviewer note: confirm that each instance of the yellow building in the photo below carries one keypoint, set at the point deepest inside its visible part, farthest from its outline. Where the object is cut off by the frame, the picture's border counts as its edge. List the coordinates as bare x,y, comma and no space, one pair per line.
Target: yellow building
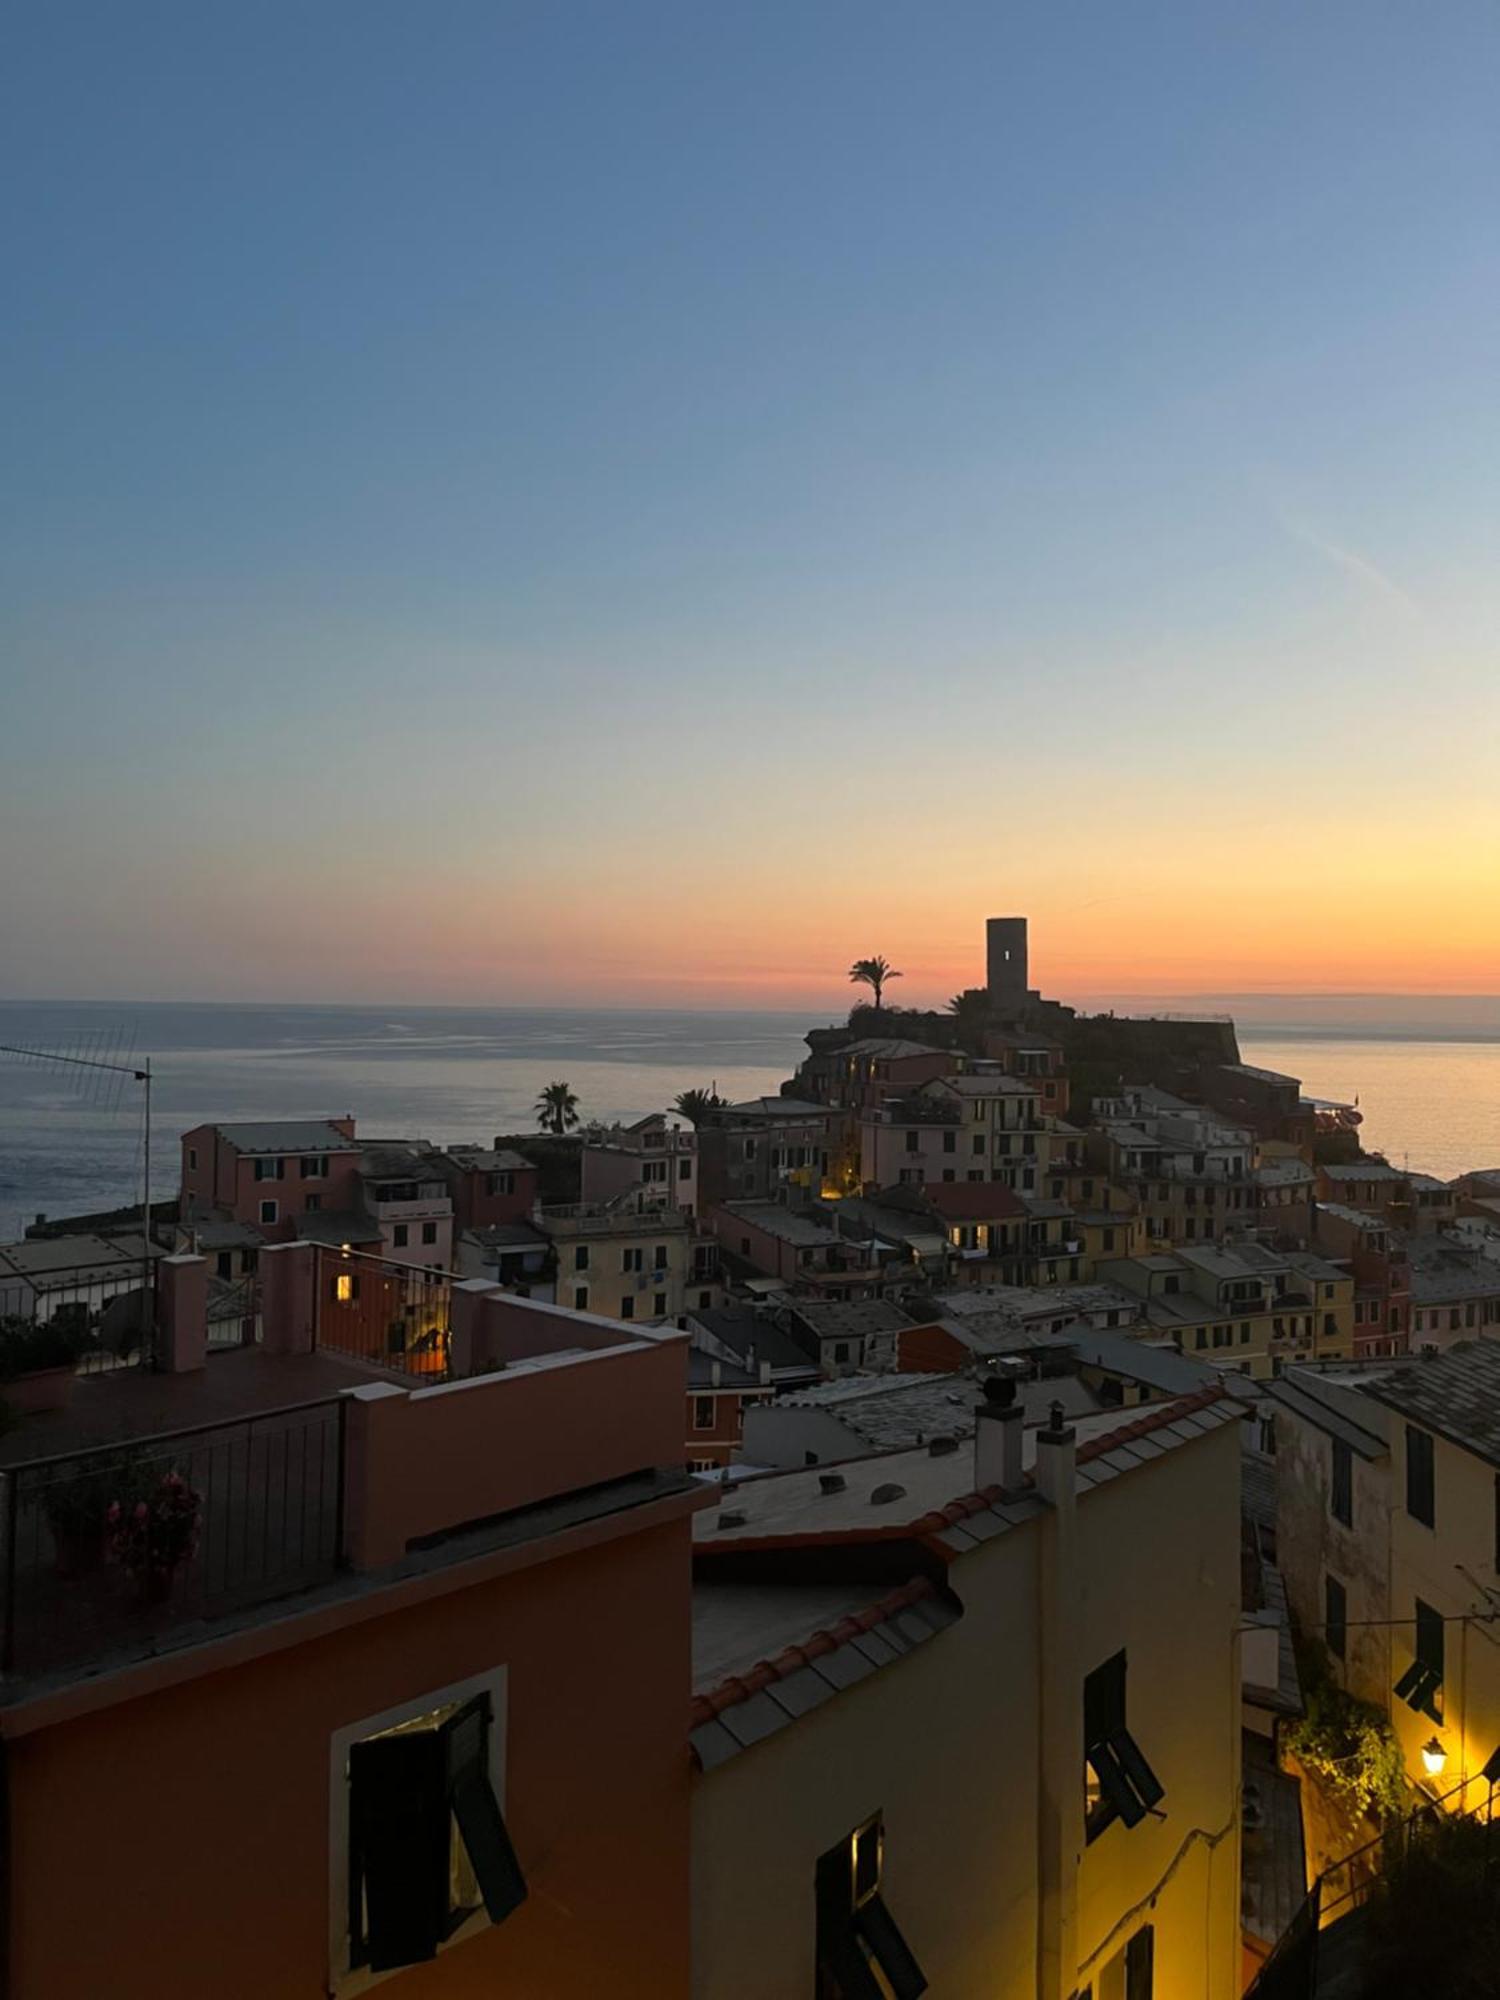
1388,1527
976,1722
630,1260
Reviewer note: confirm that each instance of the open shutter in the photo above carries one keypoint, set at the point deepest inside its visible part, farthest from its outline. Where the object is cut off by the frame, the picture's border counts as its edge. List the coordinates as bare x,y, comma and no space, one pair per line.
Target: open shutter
398,1849
481,1824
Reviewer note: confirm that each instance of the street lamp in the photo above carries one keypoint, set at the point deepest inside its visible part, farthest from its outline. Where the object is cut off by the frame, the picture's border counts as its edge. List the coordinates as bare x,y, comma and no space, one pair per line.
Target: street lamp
1434,1756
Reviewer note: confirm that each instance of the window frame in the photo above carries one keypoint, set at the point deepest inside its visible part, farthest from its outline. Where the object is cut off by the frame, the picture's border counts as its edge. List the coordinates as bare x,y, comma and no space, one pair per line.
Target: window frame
345,1980
1335,1622
1421,1486
1341,1481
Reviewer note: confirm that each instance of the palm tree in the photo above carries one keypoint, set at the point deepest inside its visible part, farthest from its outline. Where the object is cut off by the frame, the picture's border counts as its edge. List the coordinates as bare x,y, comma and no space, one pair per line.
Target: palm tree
556,1109
872,972
697,1106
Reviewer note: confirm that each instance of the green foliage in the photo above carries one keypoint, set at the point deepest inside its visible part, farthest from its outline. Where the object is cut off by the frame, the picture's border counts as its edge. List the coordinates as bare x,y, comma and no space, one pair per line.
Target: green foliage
697,1106
28,1346
1432,1923
556,1109
1350,1748
873,972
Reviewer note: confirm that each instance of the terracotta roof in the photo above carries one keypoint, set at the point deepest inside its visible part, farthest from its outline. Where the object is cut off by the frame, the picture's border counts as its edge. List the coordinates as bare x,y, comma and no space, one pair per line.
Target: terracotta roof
1157,1419
973,1201
743,1708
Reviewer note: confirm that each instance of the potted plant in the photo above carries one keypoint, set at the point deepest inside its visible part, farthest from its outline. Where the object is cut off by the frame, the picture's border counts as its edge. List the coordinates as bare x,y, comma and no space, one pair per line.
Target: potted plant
77,1504
38,1360
152,1531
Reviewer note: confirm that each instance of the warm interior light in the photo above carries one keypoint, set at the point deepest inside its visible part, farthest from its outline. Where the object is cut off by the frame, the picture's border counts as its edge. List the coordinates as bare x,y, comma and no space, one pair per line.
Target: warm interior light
345,1288
1434,1757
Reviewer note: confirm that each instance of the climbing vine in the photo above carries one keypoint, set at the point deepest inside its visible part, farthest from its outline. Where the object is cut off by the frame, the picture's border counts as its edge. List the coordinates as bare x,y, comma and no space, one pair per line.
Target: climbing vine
1351,1749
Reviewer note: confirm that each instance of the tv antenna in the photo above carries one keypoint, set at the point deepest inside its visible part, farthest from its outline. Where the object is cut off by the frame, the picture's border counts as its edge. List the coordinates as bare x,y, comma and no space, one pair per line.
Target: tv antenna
127,1069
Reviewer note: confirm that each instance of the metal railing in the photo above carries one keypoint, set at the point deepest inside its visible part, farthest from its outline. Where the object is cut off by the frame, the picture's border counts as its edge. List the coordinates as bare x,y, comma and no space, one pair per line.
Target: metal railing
386,1314
234,1311
1291,1971
101,1306
110,1550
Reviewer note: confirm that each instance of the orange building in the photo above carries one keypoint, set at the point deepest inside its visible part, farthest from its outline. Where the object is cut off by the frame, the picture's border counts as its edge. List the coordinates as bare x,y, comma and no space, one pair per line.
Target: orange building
323,1698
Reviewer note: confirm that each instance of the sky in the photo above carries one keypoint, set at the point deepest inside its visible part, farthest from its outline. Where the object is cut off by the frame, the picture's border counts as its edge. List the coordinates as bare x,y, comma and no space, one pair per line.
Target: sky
645,504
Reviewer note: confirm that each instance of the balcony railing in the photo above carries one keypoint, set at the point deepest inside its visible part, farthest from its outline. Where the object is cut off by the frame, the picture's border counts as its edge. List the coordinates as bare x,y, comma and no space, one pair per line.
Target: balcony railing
384,1313
109,1550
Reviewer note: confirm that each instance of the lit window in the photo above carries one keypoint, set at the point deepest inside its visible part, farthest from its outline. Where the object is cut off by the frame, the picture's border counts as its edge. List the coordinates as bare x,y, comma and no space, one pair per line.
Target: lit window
861,1952
428,1850
1118,1782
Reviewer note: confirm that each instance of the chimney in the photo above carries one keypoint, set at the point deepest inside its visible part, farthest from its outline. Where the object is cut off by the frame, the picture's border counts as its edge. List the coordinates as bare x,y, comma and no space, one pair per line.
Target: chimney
998,1422
716,1374
1056,1461
765,1374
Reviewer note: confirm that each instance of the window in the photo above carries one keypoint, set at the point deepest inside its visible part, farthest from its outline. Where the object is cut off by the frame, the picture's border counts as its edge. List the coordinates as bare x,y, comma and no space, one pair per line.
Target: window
627,1308
1118,1782
978,1145
705,1299
1422,1682
632,1261
268,1211
1130,1973
311,1203
913,1142
659,1304
948,1174
427,1853
269,1170
429,1232
502,1183
653,1171
749,1152
315,1168
861,1953
684,1169
1335,1616
703,1413
1341,1491
345,1288
580,1298
580,1256
192,1153
399,1235
224,1268
1419,1492
950,1142
659,1257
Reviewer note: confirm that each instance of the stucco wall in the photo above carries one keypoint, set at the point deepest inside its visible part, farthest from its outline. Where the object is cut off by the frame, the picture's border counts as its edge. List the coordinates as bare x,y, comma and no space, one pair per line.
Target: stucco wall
179,1844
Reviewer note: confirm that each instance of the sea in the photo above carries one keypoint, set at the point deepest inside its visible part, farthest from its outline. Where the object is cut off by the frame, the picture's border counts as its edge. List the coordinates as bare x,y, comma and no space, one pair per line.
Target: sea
1427,1080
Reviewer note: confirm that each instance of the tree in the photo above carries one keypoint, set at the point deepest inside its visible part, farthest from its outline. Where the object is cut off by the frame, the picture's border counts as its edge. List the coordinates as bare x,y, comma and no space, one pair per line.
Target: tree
697,1106
557,1109
971,1015
874,973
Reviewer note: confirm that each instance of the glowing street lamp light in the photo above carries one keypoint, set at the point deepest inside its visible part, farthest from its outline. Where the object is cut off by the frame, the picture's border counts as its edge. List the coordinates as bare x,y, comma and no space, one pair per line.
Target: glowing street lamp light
1434,1757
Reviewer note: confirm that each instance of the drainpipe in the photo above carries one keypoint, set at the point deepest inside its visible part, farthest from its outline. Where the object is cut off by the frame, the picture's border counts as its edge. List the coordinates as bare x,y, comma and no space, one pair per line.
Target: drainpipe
1060,1734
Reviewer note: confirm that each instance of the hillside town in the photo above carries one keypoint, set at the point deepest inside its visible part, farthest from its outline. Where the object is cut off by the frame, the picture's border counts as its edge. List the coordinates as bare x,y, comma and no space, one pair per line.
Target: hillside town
952,1526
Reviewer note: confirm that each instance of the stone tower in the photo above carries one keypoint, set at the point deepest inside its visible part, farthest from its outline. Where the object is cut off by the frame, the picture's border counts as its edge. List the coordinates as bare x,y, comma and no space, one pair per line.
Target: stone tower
1006,968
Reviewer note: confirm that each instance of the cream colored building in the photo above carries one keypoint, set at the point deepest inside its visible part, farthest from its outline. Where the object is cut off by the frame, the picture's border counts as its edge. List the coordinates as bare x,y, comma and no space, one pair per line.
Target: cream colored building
1388,1524
630,1260
974,1716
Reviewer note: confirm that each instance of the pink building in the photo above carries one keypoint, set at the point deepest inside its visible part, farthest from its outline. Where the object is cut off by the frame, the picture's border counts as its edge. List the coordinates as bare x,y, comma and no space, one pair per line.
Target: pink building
657,1158
269,1175
488,1185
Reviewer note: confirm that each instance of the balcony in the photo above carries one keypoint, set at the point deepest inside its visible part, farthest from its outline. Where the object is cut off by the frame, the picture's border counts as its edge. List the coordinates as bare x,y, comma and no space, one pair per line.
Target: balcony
112,1548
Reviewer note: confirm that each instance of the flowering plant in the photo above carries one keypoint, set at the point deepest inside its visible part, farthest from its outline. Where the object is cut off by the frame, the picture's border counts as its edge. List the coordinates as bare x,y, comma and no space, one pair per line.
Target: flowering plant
151,1533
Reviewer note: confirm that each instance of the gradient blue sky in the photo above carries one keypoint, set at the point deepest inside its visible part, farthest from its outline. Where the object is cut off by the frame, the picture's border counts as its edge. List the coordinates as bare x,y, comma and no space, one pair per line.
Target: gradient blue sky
640,501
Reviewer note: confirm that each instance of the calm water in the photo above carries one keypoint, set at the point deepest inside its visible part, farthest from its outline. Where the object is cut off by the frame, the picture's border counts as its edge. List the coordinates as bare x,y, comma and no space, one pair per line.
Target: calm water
453,1074
444,1074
